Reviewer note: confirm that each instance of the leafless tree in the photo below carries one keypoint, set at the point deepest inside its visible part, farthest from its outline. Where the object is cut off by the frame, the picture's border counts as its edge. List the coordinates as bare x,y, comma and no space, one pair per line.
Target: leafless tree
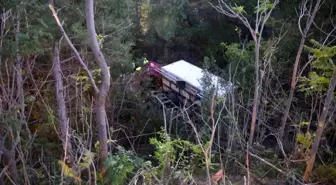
62,109
262,15
310,13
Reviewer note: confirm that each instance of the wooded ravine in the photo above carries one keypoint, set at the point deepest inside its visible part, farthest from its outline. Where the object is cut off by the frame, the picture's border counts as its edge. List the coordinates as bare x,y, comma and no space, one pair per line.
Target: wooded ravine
84,96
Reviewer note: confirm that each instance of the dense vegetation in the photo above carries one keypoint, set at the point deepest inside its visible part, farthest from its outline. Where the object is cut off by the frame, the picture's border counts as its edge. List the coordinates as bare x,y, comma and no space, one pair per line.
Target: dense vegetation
71,110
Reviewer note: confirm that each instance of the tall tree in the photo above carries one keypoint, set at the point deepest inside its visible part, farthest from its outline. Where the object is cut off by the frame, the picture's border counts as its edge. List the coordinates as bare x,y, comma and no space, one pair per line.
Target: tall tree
305,11
100,109
326,68
320,128
263,12
62,109
100,93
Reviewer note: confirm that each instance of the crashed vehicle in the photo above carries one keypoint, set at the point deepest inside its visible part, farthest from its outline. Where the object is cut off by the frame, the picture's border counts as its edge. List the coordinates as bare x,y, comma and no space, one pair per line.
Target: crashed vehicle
182,81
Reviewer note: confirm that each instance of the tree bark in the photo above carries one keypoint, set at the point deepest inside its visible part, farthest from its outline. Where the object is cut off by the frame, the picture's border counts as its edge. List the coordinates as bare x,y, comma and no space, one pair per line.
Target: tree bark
295,69
320,128
9,160
62,110
256,94
100,109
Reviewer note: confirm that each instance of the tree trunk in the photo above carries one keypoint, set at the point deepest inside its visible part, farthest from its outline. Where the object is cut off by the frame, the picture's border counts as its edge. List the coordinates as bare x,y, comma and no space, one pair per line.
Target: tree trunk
62,110
256,95
9,160
291,91
295,69
100,109
100,94
261,18
320,128
9,155
19,79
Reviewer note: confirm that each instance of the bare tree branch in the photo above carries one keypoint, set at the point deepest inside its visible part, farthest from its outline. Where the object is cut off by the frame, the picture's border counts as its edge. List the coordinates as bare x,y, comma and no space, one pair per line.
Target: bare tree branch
262,15
311,16
79,58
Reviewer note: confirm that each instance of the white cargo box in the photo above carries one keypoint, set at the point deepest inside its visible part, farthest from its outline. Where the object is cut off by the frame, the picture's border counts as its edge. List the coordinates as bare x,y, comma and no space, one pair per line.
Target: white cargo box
193,76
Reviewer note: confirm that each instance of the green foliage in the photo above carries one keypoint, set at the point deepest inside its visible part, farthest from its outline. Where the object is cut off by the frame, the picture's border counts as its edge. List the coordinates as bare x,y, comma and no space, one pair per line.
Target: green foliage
35,31
239,9
240,63
87,160
82,79
119,165
235,53
50,115
324,66
264,6
69,172
113,23
166,17
305,140
177,153
314,83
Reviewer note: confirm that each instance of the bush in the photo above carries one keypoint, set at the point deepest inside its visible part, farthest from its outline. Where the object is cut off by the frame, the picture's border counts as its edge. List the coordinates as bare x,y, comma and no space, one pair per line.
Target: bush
119,165
178,154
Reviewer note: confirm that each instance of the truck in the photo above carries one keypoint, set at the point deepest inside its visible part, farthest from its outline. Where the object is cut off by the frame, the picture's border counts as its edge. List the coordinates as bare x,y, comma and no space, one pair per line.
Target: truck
184,81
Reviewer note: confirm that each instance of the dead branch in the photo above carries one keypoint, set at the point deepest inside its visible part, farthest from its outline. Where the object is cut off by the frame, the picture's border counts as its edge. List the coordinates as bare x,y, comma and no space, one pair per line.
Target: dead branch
79,58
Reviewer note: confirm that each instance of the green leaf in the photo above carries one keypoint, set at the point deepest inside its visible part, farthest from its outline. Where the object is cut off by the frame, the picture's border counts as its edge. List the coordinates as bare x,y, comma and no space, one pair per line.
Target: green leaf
323,67
138,69
304,123
239,9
